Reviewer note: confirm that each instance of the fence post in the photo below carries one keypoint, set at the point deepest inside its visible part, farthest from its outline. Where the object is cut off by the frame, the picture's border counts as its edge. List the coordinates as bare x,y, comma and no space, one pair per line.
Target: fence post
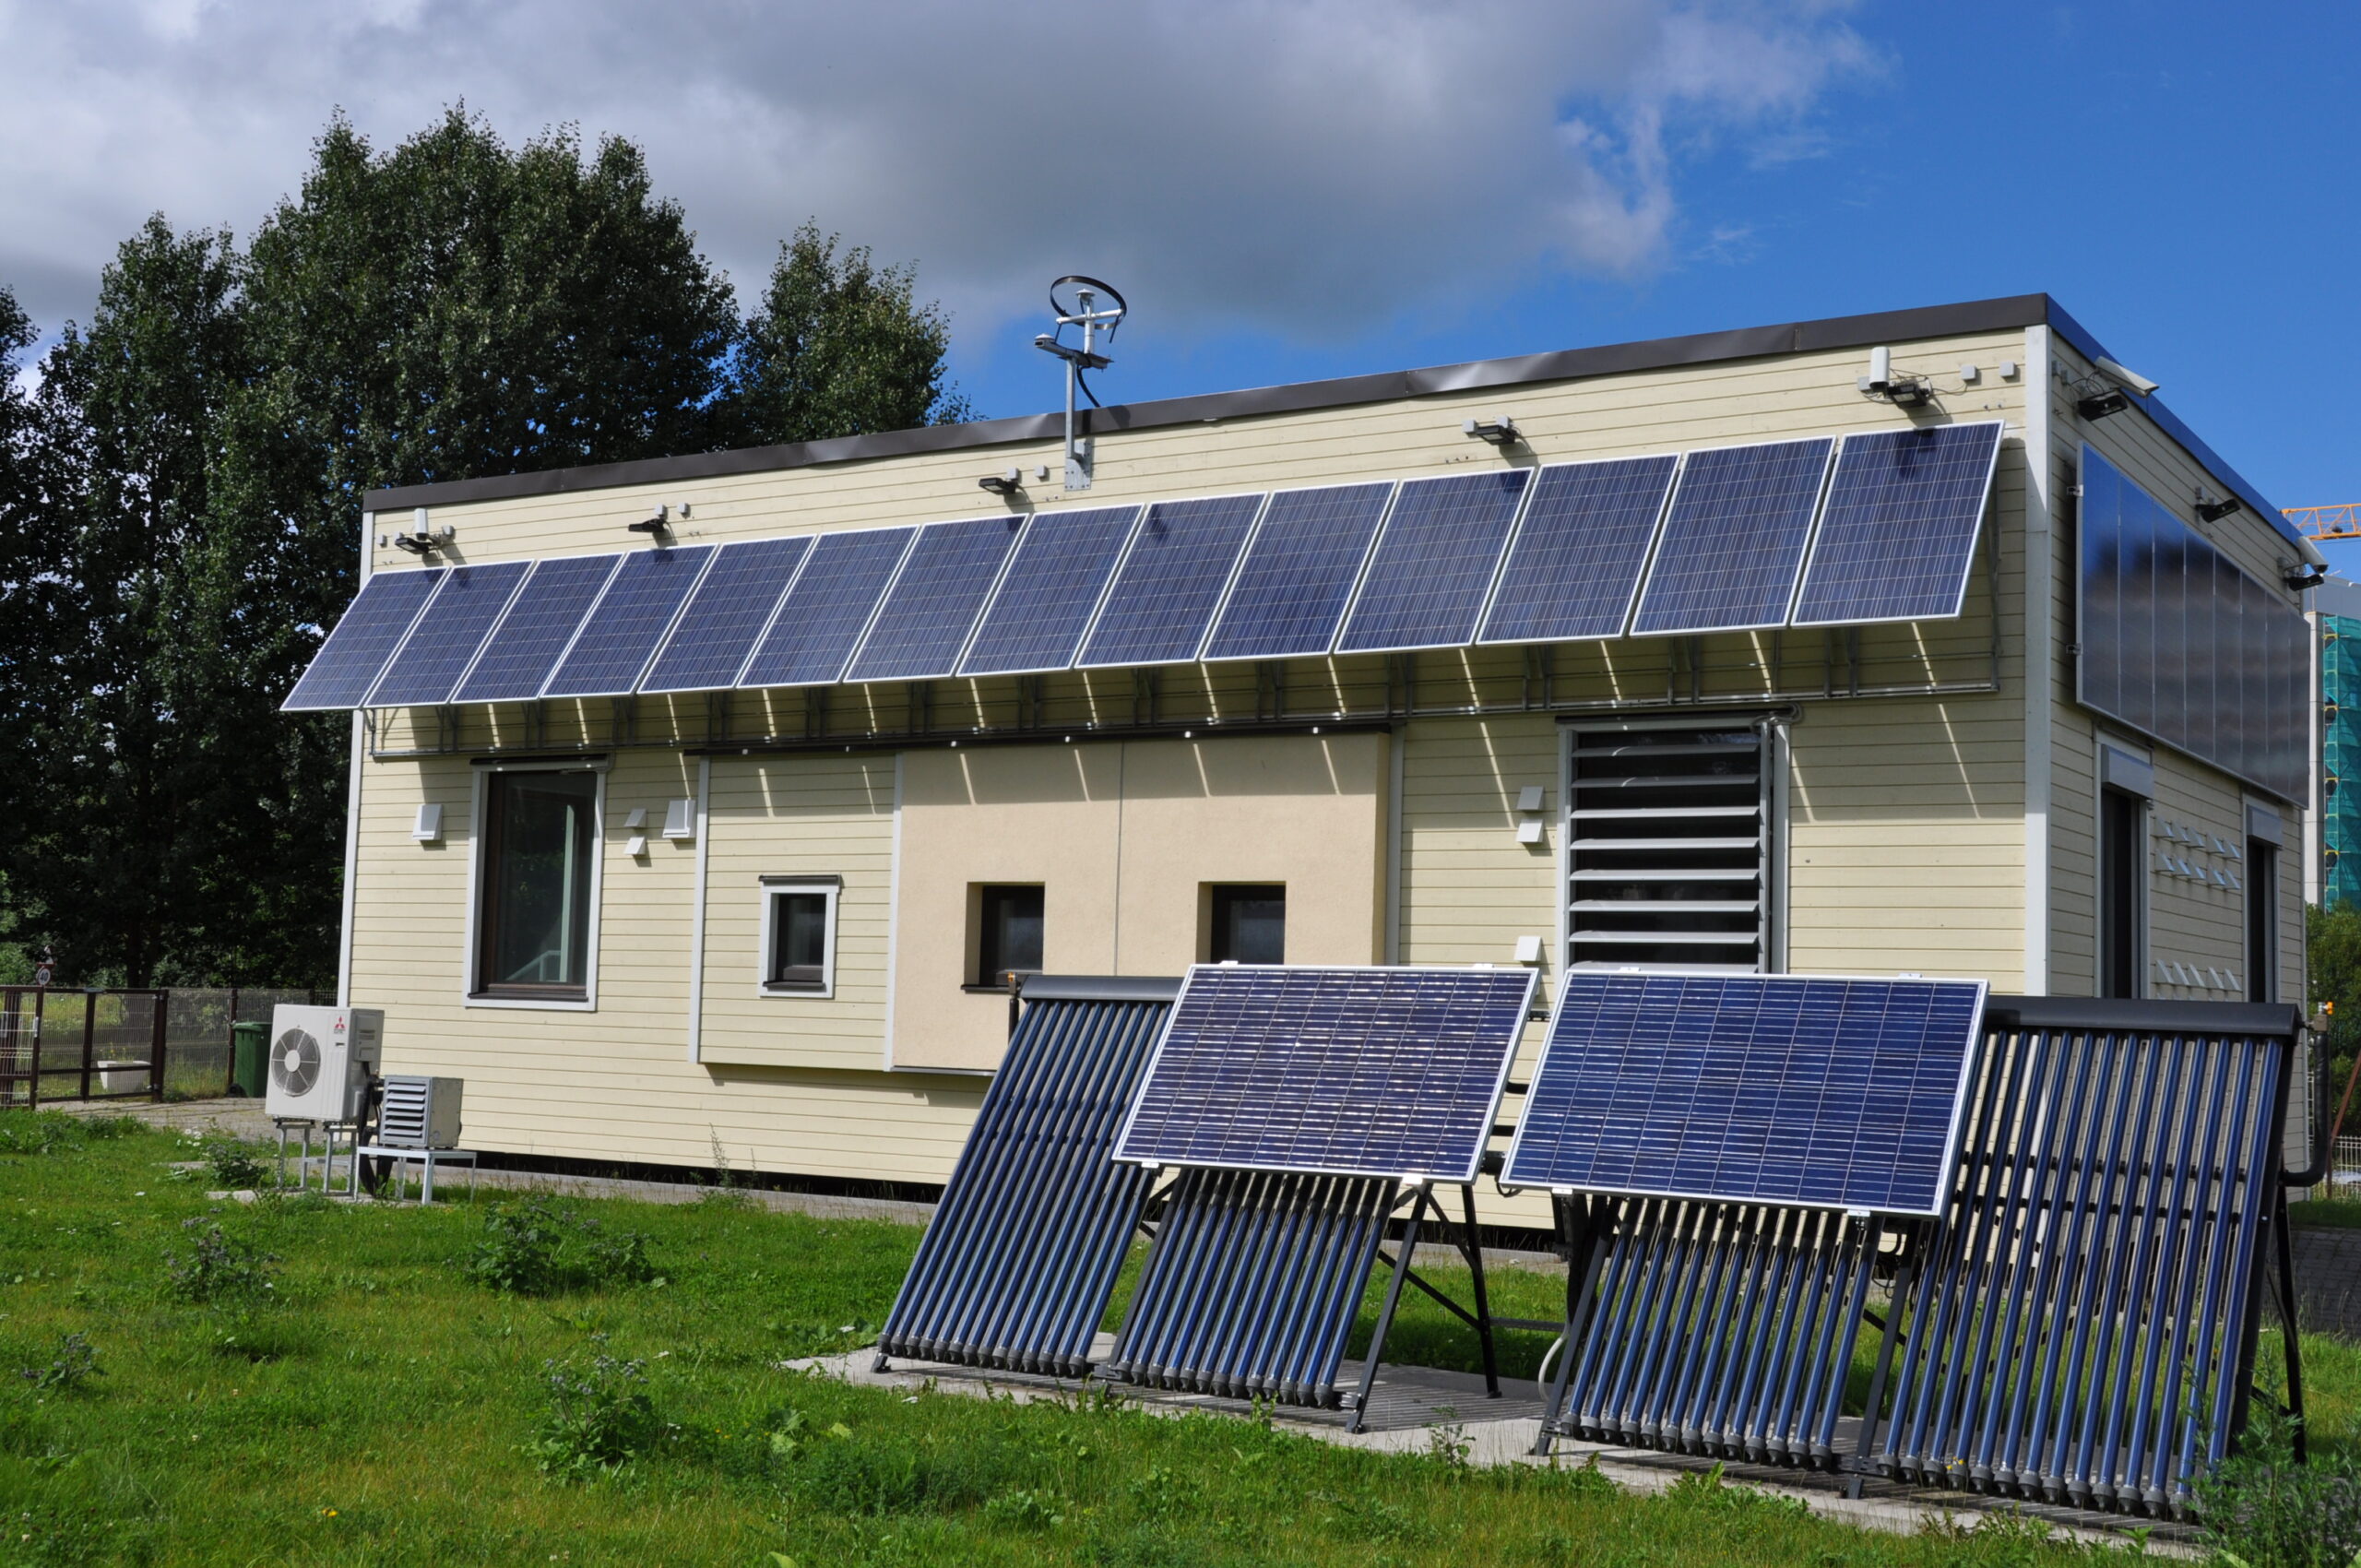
33,1085
156,1073
230,1072
89,1036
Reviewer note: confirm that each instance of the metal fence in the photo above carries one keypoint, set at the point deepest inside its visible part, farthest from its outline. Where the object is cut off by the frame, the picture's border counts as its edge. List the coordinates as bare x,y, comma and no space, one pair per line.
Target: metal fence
120,1044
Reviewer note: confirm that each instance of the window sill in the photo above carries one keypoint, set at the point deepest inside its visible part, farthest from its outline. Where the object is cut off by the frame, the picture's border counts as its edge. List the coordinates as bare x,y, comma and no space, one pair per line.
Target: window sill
578,1002
777,988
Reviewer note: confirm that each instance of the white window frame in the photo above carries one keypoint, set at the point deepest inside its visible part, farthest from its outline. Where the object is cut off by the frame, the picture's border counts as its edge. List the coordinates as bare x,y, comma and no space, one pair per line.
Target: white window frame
773,887
468,955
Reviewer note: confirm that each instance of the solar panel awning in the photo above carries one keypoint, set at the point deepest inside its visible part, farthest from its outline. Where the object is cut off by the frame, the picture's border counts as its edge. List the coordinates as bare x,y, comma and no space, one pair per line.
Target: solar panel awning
1876,526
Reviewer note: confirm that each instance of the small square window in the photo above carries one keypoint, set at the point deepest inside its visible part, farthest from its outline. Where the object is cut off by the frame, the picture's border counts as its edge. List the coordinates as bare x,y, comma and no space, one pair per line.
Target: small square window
1248,924
800,937
1008,932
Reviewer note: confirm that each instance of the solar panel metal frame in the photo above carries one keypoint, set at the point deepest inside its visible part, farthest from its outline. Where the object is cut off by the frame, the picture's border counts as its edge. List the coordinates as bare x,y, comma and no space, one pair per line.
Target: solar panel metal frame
712,553
951,665
1246,553
1639,577
419,624
1664,537
680,625
459,687
1944,1168
433,589
861,634
1008,569
1467,1173
1221,596
1828,494
1385,531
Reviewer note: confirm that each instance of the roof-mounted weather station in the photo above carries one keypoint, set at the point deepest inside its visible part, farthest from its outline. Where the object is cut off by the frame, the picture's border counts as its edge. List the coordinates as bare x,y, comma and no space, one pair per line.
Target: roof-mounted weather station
1073,301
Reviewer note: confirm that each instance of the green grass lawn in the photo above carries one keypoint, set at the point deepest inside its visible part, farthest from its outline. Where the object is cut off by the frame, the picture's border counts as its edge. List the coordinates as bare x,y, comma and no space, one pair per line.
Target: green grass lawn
381,1407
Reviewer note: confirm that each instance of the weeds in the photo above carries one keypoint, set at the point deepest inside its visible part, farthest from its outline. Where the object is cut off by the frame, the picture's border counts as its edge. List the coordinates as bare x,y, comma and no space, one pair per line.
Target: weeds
538,1247
233,1164
218,1269
53,1131
600,1418
2264,1510
75,1364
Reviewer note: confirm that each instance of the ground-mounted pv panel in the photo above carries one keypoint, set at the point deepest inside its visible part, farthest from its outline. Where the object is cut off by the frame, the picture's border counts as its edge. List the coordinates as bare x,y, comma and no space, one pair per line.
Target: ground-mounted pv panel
1789,1089
733,603
443,641
1433,565
1574,568
355,653
1733,538
833,600
536,629
1897,535
1380,1071
924,622
621,634
1053,583
1171,582
1299,574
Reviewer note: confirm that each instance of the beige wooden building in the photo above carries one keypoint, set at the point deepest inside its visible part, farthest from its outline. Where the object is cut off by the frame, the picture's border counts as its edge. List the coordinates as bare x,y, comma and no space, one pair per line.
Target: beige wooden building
769,918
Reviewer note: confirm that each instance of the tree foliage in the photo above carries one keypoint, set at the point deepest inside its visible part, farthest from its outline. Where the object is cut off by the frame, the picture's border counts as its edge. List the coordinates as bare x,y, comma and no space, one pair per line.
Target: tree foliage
182,498
2332,955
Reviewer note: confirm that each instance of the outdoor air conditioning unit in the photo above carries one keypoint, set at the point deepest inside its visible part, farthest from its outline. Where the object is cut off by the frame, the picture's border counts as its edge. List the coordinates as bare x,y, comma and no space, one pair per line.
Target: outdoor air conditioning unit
320,1059
419,1113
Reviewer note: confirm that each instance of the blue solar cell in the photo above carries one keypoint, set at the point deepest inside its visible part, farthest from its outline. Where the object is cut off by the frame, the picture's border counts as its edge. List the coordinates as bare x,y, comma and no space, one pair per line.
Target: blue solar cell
929,610
443,640
1298,571
1052,584
1898,534
1754,1088
1348,1072
1171,583
534,632
629,623
1735,538
820,621
1433,565
723,618
355,653
1574,566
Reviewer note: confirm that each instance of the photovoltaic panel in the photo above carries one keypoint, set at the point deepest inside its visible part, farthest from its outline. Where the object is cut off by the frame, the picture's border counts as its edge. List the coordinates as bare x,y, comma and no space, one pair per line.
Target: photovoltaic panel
1751,1088
1433,565
443,640
923,624
1335,1071
732,604
1053,582
533,633
1574,565
820,621
628,623
1898,534
1734,538
355,653
1298,571
1168,585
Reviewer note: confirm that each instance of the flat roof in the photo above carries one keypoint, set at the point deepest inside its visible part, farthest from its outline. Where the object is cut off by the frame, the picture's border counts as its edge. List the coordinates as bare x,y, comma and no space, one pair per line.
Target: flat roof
2015,311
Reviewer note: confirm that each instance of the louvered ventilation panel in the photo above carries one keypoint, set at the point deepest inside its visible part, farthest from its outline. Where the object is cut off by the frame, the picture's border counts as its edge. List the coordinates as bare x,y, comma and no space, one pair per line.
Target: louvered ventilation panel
1667,837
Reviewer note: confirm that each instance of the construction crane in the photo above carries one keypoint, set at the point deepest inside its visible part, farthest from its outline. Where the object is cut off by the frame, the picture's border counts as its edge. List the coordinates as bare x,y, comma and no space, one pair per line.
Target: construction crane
2326,522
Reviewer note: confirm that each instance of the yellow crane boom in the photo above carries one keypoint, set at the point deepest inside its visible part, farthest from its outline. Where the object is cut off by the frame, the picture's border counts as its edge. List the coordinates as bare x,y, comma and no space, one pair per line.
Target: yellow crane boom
2326,522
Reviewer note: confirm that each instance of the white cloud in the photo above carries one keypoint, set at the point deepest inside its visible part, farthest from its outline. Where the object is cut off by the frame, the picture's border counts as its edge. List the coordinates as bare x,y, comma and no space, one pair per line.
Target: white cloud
1308,167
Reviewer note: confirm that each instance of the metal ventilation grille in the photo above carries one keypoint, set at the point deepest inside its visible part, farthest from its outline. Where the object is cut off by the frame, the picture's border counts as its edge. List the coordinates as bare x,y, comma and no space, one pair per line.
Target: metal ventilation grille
295,1061
402,1119
1667,837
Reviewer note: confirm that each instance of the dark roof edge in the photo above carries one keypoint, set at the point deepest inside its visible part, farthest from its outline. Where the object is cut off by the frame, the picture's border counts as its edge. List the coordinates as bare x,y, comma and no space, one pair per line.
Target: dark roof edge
1564,364
1704,348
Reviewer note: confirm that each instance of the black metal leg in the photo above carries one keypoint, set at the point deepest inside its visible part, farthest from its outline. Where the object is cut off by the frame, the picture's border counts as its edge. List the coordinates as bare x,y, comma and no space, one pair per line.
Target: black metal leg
2287,1334
1886,1342
1475,1251
1583,1257
1385,1314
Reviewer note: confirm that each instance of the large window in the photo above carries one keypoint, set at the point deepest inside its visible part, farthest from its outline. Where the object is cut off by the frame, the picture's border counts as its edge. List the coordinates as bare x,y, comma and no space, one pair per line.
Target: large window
1008,932
799,935
1668,847
2123,881
1246,923
533,920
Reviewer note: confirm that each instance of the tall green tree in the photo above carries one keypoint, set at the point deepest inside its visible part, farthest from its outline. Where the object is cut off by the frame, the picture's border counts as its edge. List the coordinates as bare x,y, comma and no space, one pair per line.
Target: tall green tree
187,488
839,347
